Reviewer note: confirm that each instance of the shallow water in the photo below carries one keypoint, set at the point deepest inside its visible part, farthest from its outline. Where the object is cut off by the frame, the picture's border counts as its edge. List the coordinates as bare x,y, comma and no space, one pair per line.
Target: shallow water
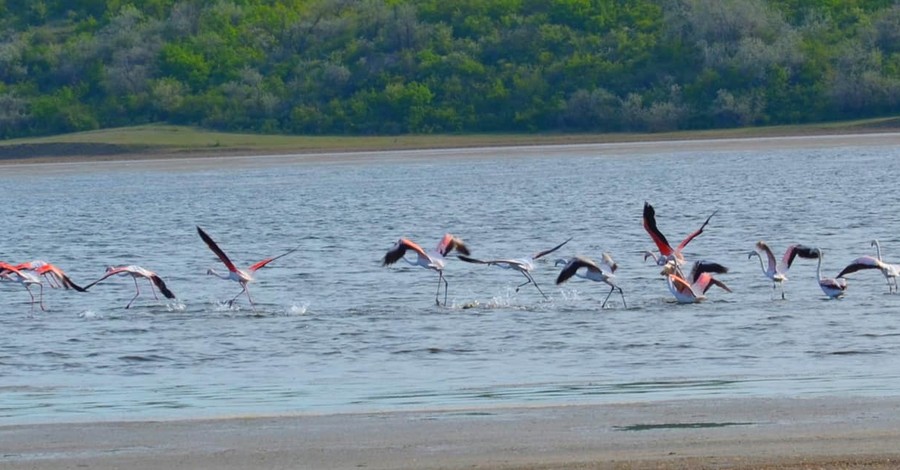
334,331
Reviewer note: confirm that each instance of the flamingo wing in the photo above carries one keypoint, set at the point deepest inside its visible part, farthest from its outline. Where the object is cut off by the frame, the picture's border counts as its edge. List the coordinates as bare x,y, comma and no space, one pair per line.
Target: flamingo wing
469,259
396,253
551,250
158,282
215,249
680,284
703,267
770,257
450,243
653,230
863,262
573,266
690,237
802,251
606,261
269,260
48,269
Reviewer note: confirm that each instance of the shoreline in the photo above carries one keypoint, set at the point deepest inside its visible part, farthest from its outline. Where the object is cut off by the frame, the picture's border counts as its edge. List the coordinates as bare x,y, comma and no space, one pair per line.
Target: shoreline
836,432
237,159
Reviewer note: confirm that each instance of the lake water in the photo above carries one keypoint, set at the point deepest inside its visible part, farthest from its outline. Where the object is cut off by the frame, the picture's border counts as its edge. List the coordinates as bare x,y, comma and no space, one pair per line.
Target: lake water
334,331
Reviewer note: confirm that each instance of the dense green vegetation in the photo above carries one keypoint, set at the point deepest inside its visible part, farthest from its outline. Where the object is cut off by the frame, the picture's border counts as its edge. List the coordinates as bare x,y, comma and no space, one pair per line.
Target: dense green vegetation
444,66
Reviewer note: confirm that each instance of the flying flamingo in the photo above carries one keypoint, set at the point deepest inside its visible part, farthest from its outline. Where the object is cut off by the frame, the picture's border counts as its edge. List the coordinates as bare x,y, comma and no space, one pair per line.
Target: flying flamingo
242,277
888,270
693,290
666,252
603,272
135,272
523,265
832,287
429,260
775,271
55,276
24,277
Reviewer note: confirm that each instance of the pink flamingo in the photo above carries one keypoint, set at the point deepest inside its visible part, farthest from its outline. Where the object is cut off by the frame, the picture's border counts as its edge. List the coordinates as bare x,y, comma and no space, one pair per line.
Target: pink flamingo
27,279
523,265
137,272
694,288
666,252
242,277
428,260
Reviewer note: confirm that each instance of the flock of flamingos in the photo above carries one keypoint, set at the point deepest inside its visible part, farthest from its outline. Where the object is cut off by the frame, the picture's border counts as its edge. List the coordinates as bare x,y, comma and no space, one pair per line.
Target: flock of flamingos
686,288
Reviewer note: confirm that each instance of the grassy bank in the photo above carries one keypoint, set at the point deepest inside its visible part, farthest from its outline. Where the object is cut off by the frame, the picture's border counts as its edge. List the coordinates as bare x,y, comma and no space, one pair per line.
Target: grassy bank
166,140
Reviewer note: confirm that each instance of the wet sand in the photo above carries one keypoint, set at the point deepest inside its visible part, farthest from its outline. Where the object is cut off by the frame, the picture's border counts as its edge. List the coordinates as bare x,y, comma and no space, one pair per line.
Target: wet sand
191,162
827,433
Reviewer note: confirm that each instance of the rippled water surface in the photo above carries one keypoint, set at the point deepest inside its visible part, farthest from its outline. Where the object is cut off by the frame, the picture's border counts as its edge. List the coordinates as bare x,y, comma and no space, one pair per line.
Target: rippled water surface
333,330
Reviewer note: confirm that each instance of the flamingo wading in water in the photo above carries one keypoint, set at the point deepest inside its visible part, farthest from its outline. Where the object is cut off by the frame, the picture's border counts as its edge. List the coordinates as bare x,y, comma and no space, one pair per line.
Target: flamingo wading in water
241,276
603,272
523,265
888,270
701,279
135,272
774,270
666,252
832,287
429,260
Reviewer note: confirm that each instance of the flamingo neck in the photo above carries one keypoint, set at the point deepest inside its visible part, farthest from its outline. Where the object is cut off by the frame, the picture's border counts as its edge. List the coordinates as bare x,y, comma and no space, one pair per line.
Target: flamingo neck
819,267
212,272
877,249
761,265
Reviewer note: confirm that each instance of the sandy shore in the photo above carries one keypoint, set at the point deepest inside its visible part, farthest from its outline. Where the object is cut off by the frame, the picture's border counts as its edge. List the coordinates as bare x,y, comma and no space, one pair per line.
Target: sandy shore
181,162
826,433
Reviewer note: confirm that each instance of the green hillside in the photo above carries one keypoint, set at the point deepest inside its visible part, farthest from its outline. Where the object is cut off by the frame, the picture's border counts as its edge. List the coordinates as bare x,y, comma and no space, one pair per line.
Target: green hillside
376,67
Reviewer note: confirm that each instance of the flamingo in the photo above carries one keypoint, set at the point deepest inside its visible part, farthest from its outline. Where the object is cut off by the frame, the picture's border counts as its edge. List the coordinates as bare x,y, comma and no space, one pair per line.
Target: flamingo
24,277
777,272
135,272
523,265
888,270
666,252
832,287
55,276
701,279
241,276
603,272
429,260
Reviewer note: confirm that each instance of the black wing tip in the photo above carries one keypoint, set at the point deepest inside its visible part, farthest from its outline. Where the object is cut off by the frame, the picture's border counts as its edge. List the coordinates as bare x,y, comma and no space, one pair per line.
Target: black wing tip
163,288
469,259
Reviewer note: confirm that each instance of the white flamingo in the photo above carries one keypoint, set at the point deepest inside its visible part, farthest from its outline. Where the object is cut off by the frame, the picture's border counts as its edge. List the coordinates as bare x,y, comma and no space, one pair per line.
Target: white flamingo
666,252
241,276
523,265
832,287
429,260
137,272
602,272
888,270
774,270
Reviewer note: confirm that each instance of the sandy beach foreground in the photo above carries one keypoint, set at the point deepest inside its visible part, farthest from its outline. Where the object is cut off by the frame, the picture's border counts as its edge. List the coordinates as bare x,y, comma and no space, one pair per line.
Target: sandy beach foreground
826,433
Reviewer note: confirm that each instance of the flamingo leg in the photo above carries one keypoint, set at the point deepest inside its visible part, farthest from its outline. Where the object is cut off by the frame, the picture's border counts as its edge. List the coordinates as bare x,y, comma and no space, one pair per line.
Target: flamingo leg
531,281
32,297
243,289
623,298
153,290
611,289
438,293
137,293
